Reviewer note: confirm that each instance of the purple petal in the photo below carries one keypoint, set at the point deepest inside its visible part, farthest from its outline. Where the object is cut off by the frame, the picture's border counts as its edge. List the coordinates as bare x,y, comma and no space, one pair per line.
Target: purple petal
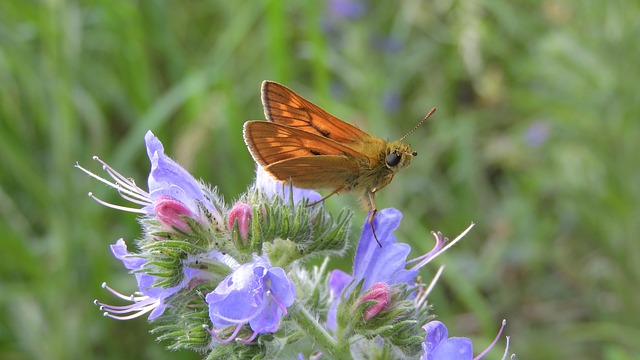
456,348
272,187
267,319
168,178
349,9
159,310
436,333
386,264
119,250
254,293
338,279
281,287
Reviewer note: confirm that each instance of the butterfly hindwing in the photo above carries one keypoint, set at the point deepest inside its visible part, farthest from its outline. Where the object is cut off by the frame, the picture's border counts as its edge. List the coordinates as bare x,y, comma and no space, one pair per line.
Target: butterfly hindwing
311,171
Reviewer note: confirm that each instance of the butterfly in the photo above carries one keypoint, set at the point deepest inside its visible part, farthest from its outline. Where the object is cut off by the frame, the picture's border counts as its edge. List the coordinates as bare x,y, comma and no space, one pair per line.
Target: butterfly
304,144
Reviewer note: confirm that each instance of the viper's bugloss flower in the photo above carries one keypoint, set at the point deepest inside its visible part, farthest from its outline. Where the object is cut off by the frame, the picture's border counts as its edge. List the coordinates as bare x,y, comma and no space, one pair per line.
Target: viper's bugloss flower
168,178
150,298
255,294
172,190
381,264
217,277
439,346
348,9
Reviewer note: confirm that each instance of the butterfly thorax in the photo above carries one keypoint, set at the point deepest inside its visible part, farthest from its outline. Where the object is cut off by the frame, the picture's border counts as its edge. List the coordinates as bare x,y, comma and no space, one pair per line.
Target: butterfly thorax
381,162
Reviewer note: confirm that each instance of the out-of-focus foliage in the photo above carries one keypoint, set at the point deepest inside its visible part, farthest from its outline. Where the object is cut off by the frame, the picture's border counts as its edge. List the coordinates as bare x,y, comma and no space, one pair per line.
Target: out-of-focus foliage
536,139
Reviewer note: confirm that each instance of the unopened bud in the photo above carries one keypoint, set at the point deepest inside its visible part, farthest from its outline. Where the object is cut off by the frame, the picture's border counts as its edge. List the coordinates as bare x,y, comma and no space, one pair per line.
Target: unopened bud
379,293
240,213
171,212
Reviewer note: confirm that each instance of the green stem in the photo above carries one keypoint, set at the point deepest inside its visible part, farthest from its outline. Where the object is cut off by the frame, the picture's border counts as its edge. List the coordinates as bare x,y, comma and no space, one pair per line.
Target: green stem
310,324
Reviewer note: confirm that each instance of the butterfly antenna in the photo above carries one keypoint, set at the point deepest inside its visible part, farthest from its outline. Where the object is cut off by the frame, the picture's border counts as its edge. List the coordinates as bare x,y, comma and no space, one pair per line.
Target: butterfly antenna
420,123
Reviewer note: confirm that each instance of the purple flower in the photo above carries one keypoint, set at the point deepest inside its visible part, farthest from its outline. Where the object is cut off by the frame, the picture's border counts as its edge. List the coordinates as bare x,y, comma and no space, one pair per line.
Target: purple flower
437,345
150,299
373,264
171,189
537,134
348,9
168,179
255,294
272,187
387,264
391,101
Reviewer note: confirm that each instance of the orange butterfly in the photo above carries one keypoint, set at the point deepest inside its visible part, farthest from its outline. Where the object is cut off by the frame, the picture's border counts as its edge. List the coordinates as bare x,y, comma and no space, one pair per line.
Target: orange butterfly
313,149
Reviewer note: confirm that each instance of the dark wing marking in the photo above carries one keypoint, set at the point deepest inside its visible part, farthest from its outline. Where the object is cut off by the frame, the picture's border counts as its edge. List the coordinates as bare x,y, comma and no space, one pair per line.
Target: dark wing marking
283,106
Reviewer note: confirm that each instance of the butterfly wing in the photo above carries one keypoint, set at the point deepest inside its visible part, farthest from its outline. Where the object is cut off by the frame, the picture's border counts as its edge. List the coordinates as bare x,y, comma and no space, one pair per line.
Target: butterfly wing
310,172
271,142
283,106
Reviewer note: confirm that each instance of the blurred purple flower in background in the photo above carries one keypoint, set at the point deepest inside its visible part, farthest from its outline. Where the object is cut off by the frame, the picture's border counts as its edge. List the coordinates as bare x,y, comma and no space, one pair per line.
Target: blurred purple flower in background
348,9
537,134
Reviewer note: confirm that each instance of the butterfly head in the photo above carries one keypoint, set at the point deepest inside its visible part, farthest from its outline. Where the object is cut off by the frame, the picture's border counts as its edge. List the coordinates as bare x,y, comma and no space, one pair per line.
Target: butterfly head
398,156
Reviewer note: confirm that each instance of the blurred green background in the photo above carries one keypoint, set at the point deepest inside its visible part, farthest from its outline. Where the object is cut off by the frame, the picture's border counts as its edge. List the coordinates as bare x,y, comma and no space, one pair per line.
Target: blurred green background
536,140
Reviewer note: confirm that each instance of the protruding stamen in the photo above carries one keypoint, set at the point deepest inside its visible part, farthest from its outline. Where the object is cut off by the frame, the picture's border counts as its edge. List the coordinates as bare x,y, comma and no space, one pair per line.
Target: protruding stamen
249,339
215,335
425,260
140,305
126,187
479,356
114,206
423,296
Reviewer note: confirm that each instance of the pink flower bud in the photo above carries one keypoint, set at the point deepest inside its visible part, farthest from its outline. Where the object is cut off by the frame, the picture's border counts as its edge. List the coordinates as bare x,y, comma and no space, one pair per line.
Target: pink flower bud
171,212
241,213
380,293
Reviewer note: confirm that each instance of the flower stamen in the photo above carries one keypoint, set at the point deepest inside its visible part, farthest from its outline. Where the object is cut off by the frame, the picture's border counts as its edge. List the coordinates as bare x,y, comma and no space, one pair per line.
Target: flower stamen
422,297
425,259
215,335
127,188
495,341
140,305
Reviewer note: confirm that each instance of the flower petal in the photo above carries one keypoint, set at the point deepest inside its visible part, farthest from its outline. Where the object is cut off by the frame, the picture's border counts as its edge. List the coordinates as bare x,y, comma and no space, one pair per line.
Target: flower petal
168,178
271,187
455,348
254,293
119,250
436,333
386,264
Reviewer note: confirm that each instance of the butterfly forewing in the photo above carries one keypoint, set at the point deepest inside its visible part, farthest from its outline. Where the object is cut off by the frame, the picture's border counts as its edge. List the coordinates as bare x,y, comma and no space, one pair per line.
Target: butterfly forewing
283,106
271,142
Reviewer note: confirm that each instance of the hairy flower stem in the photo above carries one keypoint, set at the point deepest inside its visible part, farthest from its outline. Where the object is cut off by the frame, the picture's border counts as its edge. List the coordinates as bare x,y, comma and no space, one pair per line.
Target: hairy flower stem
310,324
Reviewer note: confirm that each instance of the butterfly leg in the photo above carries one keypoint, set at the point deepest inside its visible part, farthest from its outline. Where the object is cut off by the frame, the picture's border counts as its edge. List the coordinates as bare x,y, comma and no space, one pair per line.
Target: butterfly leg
337,190
374,210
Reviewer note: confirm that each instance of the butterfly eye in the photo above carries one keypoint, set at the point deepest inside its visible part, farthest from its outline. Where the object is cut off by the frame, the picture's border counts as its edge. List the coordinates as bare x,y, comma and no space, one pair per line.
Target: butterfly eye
392,159
414,153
